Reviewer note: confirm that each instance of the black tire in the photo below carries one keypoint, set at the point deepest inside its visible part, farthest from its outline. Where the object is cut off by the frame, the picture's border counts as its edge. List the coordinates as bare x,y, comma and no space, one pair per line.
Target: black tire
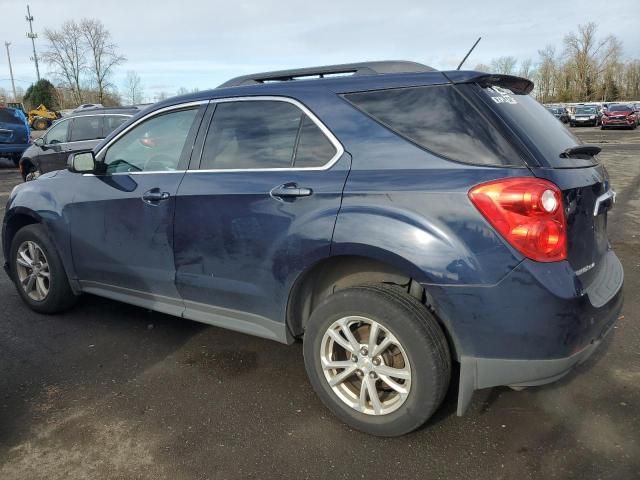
416,330
60,296
572,124
602,127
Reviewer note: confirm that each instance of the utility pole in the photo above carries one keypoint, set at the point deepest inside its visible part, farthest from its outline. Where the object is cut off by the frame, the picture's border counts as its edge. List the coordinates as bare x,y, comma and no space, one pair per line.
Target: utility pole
13,84
33,37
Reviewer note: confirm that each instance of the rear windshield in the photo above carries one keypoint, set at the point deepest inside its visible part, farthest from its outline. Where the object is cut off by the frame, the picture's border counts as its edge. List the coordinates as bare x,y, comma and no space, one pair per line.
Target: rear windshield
8,116
545,137
440,120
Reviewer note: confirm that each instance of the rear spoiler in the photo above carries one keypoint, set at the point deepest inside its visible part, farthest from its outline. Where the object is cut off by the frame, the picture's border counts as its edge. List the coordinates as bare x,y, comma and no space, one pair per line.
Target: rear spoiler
517,85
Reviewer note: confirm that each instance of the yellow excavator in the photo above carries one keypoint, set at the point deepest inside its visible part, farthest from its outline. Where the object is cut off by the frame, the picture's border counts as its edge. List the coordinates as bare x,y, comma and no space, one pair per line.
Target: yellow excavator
41,118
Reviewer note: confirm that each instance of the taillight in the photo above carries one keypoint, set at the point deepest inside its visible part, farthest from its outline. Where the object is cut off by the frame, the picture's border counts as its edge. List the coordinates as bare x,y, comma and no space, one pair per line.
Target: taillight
528,213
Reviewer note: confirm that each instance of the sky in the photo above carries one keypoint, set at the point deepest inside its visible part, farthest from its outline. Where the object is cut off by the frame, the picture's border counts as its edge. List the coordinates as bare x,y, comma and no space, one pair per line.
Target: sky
201,43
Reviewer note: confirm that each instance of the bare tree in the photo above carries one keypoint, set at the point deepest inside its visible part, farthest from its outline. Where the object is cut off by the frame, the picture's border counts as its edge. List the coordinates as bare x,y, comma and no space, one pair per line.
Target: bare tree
102,53
504,65
482,67
133,91
546,73
525,68
161,96
182,91
589,56
67,56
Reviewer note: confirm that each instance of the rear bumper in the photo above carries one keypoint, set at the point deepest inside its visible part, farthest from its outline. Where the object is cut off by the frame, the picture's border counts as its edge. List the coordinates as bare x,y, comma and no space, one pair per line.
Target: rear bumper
531,328
13,147
477,373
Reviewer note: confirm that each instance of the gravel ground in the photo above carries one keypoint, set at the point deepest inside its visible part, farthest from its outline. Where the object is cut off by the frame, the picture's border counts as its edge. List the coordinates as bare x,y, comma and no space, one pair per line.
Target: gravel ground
113,391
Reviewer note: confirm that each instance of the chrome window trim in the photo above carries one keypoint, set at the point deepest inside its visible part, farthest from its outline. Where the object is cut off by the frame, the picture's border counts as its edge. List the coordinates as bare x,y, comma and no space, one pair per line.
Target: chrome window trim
68,119
334,141
323,128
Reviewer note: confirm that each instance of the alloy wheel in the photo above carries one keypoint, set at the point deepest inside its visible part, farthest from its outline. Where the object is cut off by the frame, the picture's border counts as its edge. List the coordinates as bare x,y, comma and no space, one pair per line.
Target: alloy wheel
365,365
33,272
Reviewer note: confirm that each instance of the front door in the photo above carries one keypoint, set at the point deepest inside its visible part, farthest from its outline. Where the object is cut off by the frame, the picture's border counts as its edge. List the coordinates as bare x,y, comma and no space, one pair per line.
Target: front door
53,153
122,217
257,210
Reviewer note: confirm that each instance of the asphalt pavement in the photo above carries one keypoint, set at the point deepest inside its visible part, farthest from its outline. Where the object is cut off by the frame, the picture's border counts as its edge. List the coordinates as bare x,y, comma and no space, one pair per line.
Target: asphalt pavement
111,391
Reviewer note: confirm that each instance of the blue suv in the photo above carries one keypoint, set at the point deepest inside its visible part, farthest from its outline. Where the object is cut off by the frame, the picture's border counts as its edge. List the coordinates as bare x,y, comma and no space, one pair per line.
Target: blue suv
397,219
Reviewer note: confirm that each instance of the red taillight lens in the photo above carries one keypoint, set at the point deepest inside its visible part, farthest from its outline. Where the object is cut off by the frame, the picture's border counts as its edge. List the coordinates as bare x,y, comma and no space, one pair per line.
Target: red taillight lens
528,213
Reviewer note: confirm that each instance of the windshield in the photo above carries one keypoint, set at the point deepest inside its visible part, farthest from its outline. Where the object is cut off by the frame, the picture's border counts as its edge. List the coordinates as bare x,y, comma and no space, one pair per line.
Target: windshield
619,108
546,140
586,110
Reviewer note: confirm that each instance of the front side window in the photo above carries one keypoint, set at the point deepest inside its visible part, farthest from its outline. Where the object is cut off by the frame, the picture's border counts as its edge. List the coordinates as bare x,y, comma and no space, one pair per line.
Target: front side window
438,119
261,134
57,133
86,128
153,145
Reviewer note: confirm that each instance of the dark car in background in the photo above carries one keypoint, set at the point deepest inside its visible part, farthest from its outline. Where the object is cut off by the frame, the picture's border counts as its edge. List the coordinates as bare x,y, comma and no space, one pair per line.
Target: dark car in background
14,134
74,133
619,115
397,219
585,116
560,113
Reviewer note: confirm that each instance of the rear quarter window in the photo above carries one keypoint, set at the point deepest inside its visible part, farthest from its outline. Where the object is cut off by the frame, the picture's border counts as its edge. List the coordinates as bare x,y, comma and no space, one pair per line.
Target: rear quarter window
440,120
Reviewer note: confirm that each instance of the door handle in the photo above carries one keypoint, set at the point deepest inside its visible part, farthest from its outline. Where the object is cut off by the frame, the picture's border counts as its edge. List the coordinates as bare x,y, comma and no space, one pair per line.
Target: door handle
290,190
154,196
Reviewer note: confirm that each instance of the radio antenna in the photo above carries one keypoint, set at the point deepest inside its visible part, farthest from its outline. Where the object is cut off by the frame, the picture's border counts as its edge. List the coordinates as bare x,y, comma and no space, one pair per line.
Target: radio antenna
469,53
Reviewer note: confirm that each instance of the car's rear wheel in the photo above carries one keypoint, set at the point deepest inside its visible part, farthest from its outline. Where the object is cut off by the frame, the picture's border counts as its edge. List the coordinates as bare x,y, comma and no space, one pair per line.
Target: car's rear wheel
377,358
37,271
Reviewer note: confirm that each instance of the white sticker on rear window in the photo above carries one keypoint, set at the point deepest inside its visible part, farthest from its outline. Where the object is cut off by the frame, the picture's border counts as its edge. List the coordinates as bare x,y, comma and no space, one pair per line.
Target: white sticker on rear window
505,96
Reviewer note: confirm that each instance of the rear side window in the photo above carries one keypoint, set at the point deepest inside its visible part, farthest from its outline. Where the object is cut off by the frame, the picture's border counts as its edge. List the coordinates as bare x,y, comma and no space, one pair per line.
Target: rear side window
438,119
86,128
111,122
263,134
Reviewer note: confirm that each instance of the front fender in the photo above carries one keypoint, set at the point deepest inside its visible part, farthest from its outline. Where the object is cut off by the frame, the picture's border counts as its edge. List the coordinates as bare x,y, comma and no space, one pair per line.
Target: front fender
44,205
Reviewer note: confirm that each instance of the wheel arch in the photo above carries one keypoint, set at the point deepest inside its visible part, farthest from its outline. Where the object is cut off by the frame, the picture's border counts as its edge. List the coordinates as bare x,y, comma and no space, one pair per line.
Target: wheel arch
343,271
18,218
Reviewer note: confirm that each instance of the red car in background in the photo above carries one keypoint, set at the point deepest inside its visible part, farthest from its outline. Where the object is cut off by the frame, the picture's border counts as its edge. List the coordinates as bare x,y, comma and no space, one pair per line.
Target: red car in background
619,115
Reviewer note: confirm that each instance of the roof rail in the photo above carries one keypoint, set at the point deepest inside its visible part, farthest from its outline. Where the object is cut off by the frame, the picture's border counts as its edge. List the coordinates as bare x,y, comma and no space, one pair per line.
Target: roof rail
362,68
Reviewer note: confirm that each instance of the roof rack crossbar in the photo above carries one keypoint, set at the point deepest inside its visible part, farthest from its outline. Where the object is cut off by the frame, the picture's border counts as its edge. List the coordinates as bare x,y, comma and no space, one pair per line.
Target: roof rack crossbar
362,68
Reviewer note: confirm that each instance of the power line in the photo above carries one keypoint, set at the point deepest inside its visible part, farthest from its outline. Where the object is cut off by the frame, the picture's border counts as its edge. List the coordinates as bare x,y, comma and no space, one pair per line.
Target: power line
33,37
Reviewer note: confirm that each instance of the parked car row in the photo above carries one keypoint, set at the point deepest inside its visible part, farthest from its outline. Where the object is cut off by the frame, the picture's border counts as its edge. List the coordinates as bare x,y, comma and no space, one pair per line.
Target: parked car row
605,115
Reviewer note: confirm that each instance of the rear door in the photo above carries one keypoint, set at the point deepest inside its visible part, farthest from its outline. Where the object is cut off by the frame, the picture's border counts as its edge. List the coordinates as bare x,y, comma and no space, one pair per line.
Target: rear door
85,132
256,211
584,182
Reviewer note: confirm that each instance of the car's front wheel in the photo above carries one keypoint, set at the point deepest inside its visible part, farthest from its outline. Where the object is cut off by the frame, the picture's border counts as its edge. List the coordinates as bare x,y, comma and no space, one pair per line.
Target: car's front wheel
377,358
37,271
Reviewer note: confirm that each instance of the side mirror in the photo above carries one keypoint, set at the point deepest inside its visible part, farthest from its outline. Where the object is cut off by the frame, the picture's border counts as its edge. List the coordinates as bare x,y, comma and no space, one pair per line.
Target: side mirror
81,162
39,142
